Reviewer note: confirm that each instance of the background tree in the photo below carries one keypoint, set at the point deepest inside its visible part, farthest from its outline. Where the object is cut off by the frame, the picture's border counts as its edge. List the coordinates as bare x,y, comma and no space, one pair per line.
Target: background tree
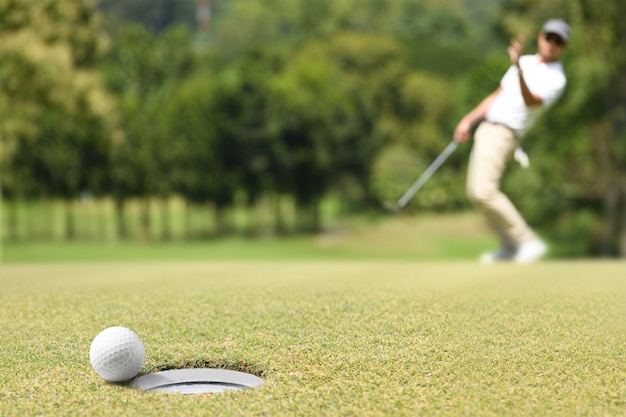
51,96
143,70
303,100
156,15
207,118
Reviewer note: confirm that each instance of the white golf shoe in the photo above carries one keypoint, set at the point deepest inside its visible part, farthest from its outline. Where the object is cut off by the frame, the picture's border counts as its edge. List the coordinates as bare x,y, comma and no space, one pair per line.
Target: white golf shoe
530,251
501,255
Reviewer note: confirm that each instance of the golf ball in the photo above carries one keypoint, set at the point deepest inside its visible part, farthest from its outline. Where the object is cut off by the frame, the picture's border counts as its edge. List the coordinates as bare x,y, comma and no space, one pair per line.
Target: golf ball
117,354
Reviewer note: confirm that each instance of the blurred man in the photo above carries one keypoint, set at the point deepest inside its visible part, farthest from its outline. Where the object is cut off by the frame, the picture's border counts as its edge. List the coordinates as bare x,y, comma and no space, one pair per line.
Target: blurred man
531,85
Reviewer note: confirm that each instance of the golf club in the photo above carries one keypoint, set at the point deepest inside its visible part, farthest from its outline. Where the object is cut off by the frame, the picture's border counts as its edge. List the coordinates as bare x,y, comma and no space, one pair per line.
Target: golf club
423,178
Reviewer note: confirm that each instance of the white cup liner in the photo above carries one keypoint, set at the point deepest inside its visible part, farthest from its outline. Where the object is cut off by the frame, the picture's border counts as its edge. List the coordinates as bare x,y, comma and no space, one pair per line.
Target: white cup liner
196,381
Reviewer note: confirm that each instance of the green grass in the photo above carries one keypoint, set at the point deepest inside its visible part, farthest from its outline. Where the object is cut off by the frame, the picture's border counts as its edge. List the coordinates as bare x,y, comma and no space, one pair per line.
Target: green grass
336,338
421,237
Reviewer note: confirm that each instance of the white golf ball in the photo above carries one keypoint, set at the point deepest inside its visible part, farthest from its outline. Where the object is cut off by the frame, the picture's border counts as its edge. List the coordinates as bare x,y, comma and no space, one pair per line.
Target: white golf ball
117,354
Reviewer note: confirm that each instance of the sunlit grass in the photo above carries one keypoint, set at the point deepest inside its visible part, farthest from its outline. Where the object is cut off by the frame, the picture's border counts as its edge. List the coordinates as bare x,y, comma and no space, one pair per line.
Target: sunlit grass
328,337
425,237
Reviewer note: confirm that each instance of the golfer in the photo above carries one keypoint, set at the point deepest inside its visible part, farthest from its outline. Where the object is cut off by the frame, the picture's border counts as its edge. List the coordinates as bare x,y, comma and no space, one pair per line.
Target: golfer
529,87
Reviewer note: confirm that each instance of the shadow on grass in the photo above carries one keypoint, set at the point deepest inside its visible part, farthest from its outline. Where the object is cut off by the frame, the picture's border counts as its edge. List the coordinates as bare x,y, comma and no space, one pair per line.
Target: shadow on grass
240,365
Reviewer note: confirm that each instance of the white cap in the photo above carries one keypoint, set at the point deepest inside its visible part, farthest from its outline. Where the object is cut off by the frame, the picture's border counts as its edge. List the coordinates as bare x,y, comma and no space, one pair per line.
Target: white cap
558,27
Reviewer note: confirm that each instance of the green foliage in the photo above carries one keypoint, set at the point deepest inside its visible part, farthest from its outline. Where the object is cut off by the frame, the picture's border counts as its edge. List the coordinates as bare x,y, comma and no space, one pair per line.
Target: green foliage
335,104
156,15
481,79
143,71
292,22
54,23
56,120
272,122
447,61
392,171
299,98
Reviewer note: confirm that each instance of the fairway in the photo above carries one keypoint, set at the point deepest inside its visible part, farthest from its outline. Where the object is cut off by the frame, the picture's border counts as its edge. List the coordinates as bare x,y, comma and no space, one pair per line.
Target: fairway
329,338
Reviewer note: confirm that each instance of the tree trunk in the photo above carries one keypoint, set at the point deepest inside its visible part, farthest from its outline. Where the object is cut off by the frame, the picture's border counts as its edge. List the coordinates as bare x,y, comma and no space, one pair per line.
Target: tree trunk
48,217
309,217
145,223
279,223
29,227
611,207
70,220
220,222
13,221
101,218
122,231
187,216
165,219
622,239
316,217
1,221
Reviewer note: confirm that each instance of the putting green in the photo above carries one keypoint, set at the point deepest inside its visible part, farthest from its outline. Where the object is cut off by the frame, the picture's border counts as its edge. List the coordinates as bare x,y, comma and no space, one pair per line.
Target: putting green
328,337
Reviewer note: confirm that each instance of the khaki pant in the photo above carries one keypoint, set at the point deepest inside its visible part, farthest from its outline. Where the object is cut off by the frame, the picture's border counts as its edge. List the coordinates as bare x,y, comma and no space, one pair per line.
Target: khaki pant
494,146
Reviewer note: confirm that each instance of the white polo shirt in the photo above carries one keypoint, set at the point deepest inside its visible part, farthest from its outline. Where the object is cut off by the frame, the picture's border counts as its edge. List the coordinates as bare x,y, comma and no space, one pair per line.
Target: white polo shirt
547,80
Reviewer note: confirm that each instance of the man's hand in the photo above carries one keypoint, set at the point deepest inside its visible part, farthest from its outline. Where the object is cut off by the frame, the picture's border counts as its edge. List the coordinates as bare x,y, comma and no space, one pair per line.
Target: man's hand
463,131
515,50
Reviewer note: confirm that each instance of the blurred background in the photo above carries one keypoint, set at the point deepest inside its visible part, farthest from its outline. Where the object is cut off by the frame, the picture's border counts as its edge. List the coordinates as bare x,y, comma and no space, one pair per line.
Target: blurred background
199,120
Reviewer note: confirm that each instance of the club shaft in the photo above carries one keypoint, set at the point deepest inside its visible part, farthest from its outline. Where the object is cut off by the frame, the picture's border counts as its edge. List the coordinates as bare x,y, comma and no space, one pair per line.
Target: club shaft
427,174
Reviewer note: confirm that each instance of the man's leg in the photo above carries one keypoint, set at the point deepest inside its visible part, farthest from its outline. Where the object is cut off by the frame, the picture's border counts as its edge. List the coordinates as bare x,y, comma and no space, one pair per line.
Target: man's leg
493,147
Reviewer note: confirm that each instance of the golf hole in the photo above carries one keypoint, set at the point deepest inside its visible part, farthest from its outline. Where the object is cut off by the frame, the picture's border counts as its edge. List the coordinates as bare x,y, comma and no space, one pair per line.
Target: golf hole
196,381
